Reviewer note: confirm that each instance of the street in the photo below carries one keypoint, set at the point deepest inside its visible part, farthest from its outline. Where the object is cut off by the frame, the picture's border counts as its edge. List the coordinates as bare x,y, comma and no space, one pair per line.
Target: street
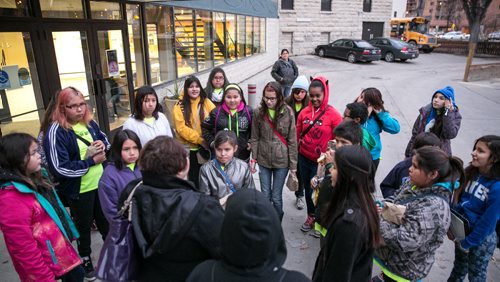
405,88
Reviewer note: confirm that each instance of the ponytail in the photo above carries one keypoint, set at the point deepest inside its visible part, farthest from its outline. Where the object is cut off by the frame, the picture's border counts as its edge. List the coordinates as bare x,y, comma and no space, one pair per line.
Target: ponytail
449,168
457,174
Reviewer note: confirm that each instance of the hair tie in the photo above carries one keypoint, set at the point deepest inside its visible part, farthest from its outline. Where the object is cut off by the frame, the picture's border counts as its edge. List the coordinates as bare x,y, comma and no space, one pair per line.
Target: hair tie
233,86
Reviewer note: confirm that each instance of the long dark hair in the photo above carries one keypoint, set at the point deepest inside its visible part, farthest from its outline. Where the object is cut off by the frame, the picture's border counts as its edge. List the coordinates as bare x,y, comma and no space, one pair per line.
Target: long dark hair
493,143
355,181
209,89
15,155
47,116
373,97
185,102
140,94
275,87
116,148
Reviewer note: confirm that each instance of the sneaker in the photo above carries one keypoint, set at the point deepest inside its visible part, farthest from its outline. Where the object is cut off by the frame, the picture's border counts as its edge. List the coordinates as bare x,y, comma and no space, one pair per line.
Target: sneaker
299,203
89,269
315,234
309,224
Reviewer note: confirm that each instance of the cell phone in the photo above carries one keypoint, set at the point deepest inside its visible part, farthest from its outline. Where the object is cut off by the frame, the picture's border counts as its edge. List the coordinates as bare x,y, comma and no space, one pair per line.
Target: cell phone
332,145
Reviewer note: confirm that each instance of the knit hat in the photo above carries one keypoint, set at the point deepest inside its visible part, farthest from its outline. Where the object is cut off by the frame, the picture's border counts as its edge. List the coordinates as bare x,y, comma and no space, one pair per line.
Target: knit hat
301,82
448,92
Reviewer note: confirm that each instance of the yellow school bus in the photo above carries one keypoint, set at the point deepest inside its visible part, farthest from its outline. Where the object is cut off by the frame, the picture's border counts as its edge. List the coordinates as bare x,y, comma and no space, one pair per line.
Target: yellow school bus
414,30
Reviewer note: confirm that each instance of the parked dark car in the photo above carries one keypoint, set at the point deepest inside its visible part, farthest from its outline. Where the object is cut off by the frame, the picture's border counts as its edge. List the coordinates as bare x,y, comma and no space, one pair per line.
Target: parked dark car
395,49
351,49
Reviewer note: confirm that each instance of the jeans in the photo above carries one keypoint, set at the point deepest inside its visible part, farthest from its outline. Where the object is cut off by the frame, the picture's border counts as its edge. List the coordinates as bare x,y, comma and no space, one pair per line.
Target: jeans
272,181
84,210
286,90
474,263
308,170
300,192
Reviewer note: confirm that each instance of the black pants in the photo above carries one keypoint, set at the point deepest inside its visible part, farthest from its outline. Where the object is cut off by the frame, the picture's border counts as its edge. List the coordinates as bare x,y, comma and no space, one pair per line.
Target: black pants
194,169
75,275
85,210
299,193
375,164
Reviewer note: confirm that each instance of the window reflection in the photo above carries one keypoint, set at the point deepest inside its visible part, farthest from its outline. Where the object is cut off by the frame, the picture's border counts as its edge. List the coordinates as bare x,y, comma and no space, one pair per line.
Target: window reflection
204,41
68,9
262,35
219,40
135,42
241,36
231,37
249,36
18,8
184,41
105,10
256,35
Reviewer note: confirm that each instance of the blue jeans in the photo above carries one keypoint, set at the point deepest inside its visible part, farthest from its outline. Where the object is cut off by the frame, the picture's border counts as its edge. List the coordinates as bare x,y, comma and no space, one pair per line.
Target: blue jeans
308,170
272,181
286,90
474,263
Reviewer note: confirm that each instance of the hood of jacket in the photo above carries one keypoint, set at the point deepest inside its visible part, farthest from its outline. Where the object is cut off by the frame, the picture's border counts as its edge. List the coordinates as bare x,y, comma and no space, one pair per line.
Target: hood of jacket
252,237
447,92
323,81
168,207
7,176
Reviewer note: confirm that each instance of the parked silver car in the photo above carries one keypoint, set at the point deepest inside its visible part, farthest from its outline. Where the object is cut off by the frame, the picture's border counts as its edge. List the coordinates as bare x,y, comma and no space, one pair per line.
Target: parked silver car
494,36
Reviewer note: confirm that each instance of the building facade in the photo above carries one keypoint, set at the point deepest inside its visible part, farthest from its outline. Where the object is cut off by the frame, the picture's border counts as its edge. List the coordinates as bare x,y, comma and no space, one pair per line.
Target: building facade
304,24
107,49
399,8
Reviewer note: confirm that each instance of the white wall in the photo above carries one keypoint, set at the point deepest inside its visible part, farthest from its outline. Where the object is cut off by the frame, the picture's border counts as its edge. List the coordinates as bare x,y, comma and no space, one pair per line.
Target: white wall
399,6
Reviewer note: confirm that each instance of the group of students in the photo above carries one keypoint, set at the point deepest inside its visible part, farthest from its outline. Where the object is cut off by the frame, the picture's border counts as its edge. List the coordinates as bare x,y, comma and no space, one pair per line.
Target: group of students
217,225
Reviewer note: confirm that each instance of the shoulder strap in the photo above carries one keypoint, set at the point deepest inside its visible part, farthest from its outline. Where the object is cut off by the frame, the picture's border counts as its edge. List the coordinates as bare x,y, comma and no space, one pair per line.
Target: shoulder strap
85,141
276,131
128,203
226,179
216,119
314,122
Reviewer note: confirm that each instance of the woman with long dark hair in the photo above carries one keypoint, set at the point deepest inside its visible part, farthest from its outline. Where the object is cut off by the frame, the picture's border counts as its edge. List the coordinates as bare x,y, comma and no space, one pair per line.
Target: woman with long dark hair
217,81
188,114
352,219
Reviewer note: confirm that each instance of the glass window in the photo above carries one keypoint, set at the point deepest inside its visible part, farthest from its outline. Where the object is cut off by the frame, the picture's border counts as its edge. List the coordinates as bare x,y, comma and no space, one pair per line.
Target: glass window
69,9
105,10
204,39
241,36
135,42
219,38
262,35
367,5
256,35
326,5
231,37
249,36
286,4
184,41
18,8
21,106
160,36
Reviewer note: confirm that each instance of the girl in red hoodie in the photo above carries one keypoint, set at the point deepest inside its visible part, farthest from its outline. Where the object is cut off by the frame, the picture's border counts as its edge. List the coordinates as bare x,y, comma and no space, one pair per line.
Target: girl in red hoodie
315,126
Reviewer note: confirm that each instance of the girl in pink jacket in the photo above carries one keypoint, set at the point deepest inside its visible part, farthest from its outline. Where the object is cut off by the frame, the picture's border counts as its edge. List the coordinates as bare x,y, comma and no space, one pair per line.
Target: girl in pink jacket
36,227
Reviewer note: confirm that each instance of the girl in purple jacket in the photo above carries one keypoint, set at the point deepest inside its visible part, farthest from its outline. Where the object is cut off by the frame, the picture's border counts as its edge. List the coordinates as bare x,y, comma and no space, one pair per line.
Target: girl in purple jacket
124,153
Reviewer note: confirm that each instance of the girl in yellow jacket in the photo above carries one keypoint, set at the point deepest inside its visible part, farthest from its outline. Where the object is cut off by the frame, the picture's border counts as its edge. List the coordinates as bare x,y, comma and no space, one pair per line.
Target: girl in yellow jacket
189,112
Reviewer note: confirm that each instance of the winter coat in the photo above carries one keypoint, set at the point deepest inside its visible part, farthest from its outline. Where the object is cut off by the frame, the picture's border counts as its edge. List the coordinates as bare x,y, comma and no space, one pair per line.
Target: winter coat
64,159
220,118
112,183
480,204
267,148
253,245
376,123
175,227
146,132
34,232
345,255
410,247
315,141
451,125
285,72
191,135
398,175
212,183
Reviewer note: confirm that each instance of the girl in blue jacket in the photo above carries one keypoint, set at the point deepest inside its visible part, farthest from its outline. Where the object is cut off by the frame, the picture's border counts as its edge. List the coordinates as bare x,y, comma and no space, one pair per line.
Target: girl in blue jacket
378,120
478,201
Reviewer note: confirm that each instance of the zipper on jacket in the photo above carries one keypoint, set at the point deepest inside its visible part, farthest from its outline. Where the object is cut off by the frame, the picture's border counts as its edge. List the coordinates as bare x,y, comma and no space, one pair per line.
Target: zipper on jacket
51,250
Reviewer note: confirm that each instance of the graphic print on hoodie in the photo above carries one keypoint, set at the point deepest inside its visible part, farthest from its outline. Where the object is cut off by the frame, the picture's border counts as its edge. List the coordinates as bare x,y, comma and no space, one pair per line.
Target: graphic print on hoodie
315,141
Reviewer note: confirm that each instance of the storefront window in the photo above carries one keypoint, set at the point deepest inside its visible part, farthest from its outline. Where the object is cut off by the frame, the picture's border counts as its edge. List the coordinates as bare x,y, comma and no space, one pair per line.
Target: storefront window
262,35
105,10
204,39
184,41
160,33
256,35
21,106
219,40
249,36
68,9
135,42
18,8
241,36
231,37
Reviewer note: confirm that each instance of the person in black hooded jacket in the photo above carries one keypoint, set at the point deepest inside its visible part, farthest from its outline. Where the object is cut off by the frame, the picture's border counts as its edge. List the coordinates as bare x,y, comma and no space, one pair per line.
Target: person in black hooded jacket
253,245
175,227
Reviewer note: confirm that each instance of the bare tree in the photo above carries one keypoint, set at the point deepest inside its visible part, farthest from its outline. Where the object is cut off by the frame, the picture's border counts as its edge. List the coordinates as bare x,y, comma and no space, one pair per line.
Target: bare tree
452,12
475,10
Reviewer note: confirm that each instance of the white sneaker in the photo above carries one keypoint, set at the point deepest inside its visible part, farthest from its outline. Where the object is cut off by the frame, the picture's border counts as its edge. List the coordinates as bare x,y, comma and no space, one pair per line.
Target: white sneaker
299,203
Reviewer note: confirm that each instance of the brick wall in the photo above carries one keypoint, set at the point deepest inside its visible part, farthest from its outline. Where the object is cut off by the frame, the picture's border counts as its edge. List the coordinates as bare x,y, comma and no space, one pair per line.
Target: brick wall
306,22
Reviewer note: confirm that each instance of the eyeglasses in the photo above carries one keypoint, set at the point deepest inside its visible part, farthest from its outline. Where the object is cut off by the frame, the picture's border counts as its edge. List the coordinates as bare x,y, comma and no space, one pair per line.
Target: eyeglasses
218,78
77,106
270,98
